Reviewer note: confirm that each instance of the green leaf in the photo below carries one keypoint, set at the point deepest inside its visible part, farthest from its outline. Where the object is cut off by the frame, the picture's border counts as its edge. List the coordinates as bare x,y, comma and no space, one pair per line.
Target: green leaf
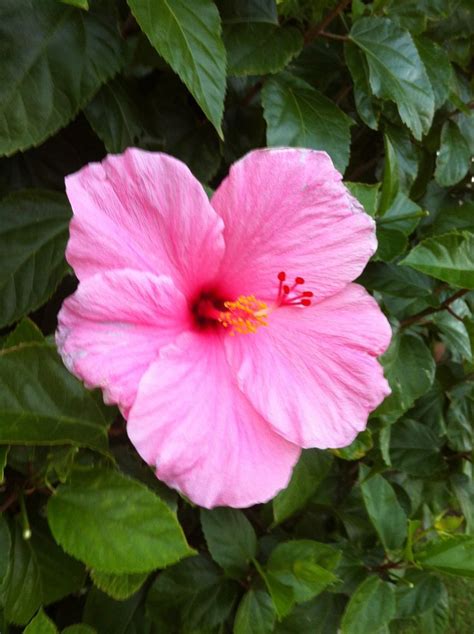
115,524
371,607
391,176
25,332
449,258
454,216
22,589
81,4
115,116
192,596
258,48
454,158
230,538
5,549
414,448
255,614
41,624
367,195
437,66
319,616
396,71
362,444
409,368
402,214
407,154
297,115
359,71
308,474
455,556
60,574
118,587
397,280
33,236
43,85
79,628
107,615
303,565
391,243
55,409
383,509
188,36
4,450
426,591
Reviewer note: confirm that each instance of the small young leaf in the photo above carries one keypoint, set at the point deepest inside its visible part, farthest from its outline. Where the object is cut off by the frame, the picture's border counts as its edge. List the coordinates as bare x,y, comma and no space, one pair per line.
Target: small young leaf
41,624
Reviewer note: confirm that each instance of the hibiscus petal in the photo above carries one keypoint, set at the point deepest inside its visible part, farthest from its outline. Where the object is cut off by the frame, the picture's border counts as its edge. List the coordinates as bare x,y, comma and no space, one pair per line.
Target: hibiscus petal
313,373
144,211
191,421
113,327
287,210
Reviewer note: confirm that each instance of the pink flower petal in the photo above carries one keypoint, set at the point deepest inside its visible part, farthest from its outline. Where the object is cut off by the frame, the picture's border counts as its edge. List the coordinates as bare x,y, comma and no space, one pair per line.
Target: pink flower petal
144,211
287,210
194,425
113,327
312,373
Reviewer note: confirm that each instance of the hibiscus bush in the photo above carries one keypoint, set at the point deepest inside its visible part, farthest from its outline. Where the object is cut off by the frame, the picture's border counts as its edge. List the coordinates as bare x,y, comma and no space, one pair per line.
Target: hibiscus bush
366,538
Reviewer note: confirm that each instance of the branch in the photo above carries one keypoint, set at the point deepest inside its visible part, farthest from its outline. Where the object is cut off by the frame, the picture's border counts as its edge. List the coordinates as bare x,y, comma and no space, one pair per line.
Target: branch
320,28
429,311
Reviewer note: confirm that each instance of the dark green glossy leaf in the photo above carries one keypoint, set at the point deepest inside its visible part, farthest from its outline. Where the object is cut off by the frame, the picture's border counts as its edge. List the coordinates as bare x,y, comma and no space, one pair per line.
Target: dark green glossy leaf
55,409
384,510
43,85
359,70
307,476
370,608
192,596
230,538
425,593
396,71
255,614
449,258
454,158
33,235
437,66
414,448
367,195
259,48
297,115
188,36
409,367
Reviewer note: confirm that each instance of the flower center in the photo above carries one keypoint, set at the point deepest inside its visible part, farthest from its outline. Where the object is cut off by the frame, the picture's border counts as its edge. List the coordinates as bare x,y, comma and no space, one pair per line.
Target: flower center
247,313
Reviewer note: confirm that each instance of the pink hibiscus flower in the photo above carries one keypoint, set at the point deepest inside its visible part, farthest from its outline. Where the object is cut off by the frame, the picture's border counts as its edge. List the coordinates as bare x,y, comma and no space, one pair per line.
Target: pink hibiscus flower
194,317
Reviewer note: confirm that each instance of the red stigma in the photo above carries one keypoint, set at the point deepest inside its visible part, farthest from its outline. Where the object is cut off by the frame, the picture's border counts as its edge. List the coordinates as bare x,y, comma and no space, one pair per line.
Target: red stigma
288,296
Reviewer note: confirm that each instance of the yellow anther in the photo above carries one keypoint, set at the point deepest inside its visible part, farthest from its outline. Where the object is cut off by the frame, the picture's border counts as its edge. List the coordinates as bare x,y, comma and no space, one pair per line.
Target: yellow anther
244,315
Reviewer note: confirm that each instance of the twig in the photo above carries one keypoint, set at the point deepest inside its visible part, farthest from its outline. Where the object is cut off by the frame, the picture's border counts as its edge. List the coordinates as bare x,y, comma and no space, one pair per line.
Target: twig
429,311
333,36
321,27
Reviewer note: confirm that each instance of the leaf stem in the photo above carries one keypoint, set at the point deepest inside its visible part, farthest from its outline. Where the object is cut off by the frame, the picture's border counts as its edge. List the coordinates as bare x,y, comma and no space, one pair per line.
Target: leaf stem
320,28
382,220
430,311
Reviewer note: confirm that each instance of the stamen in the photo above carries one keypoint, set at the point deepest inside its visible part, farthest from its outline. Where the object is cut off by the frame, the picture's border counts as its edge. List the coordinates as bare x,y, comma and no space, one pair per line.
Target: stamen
244,315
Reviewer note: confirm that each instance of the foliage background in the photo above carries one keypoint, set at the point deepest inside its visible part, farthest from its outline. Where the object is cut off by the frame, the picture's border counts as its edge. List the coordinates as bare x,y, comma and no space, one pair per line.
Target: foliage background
369,539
